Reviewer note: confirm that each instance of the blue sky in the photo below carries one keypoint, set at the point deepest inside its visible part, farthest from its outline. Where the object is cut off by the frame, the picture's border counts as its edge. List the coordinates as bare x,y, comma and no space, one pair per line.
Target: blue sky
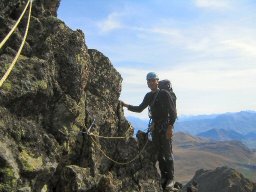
207,48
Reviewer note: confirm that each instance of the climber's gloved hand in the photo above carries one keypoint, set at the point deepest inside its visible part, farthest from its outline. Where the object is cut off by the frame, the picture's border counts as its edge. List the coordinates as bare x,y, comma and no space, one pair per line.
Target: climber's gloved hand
124,104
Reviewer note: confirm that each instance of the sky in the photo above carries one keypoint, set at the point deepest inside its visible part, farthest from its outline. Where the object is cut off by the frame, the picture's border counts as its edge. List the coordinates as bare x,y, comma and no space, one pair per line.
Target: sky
207,48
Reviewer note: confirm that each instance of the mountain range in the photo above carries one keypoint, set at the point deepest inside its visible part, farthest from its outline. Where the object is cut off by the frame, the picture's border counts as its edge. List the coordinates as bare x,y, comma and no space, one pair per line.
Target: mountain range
242,122
239,126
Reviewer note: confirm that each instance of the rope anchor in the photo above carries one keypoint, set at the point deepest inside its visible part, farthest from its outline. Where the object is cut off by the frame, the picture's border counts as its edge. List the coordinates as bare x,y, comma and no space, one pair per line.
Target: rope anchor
89,129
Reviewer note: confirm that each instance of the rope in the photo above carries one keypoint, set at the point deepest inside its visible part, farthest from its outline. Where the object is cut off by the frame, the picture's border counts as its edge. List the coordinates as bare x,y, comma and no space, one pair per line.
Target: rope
15,26
110,137
117,162
104,137
19,51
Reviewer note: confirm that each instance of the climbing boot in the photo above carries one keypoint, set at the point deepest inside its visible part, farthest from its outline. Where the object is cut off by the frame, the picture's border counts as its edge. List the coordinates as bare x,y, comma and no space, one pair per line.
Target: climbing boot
169,184
163,182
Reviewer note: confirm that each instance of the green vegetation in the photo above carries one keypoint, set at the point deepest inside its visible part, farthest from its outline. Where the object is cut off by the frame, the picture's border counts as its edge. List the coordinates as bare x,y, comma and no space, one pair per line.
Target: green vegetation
41,84
9,181
29,163
7,86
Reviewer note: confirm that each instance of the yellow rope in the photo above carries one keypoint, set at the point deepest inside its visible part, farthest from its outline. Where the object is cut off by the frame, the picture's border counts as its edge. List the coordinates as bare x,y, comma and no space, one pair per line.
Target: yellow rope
119,163
15,26
110,137
105,137
19,51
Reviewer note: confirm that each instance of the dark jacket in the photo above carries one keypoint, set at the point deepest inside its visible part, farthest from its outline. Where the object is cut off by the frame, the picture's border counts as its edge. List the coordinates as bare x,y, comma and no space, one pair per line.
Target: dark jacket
161,109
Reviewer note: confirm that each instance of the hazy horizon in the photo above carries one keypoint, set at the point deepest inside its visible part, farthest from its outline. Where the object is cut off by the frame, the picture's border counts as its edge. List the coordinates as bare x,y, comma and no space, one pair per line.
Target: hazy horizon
134,115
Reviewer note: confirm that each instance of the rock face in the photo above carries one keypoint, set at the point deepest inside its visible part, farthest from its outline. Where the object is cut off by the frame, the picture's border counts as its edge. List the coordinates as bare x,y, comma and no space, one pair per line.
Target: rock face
13,8
57,89
221,179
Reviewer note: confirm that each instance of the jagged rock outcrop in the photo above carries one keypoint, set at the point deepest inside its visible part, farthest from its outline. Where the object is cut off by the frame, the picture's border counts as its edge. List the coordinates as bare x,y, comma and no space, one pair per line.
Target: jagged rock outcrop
13,8
221,179
54,93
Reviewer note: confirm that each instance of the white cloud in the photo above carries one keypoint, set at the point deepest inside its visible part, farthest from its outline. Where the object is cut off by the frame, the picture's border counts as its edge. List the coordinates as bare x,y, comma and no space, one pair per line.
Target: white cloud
160,31
213,80
247,48
213,47
133,76
213,4
112,22
205,40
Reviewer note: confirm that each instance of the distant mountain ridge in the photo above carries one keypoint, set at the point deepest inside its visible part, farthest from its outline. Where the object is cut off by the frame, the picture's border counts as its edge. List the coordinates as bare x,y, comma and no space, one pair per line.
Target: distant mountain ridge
221,135
242,122
137,123
227,126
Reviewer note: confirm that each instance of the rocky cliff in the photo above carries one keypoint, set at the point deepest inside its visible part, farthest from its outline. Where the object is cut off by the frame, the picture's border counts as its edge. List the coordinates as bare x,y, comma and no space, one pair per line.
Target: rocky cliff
57,89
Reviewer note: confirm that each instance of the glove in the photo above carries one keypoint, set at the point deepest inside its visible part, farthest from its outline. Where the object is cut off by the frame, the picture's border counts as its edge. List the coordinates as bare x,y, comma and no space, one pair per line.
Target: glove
169,132
124,104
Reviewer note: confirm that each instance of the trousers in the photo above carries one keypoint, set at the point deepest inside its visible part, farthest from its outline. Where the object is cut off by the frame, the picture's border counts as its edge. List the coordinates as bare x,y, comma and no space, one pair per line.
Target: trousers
162,149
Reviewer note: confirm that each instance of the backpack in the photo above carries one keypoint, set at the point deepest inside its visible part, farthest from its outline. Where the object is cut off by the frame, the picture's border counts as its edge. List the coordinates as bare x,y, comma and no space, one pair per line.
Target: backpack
166,85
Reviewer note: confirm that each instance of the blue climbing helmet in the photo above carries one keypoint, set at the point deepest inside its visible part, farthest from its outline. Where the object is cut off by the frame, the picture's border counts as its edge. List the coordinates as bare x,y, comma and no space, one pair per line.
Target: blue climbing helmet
152,75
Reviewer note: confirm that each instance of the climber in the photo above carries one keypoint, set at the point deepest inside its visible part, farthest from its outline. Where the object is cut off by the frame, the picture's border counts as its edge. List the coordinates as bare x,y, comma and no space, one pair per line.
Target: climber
163,117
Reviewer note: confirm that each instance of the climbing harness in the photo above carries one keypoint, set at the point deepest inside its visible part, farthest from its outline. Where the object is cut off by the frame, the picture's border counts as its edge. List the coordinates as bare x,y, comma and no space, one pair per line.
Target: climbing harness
152,103
22,44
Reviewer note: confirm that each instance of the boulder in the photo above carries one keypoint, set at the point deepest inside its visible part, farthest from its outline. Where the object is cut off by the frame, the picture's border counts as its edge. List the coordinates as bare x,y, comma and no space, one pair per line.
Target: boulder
221,179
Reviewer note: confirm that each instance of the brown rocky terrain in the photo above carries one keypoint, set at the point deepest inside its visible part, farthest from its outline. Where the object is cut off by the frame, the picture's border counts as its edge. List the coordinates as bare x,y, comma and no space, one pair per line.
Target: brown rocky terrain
58,90
193,153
